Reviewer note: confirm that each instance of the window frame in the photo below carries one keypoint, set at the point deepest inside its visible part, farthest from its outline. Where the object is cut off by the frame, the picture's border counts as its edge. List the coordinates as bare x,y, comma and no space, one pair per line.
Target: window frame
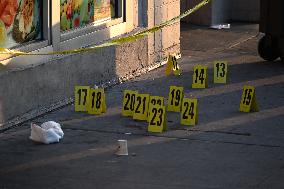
45,41
54,40
97,25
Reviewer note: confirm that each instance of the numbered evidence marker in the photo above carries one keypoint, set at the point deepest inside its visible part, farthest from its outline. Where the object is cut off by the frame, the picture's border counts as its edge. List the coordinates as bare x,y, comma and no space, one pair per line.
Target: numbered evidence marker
175,99
157,119
248,101
129,98
189,112
200,77
172,66
97,101
155,100
141,107
220,71
81,98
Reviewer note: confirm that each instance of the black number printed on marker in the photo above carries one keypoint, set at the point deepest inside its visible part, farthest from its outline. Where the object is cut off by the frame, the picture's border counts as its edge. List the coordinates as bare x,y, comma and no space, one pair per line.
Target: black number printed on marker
174,61
221,74
139,100
98,102
80,91
133,96
93,99
144,105
161,112
127,96
247,97
200,76
188,110
176,94
130,101
154,102
155,112
97,96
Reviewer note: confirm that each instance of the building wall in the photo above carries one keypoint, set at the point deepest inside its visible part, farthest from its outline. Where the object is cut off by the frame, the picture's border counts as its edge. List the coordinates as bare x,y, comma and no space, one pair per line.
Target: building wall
222,11
168,39
242,10
32,83
201,17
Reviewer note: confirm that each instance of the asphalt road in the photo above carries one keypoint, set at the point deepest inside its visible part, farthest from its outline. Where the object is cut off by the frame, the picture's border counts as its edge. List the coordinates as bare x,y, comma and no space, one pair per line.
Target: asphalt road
226,149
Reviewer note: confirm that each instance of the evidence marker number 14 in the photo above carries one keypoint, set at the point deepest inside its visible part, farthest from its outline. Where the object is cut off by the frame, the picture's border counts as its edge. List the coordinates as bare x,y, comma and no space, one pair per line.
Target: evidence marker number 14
200,77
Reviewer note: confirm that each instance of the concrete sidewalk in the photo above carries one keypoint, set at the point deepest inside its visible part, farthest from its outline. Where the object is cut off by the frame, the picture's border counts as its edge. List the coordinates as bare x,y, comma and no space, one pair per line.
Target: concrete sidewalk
227,149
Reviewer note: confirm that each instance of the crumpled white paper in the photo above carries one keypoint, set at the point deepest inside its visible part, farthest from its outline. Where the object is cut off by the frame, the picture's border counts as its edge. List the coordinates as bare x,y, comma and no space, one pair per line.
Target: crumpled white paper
49,132
221,26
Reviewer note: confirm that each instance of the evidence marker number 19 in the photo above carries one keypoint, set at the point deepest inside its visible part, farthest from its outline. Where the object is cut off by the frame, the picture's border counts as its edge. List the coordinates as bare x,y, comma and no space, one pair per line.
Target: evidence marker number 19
175,98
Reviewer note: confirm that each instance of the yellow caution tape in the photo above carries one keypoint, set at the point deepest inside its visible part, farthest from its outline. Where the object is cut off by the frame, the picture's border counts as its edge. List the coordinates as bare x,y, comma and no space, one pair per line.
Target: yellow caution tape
118,41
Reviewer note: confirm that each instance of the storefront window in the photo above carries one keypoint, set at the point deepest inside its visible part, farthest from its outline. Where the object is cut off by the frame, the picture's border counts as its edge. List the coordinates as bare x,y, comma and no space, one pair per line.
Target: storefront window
78,13
114,8
20,22
102,9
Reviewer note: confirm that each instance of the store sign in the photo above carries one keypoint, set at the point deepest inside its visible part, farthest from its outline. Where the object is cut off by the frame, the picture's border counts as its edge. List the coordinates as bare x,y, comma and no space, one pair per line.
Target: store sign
20,22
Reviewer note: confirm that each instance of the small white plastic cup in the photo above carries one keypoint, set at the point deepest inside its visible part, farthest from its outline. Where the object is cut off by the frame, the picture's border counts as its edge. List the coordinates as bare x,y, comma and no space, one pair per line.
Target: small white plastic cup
122,148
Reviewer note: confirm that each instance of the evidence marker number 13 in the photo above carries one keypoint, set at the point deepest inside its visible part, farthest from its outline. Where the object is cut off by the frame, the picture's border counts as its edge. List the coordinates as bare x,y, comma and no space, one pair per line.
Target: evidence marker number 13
220,71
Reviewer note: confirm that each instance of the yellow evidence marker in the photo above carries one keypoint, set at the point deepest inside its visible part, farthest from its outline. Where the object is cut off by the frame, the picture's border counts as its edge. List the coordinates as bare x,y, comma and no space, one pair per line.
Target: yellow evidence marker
172,66
220,71
248,101
155,100
141,107
97,102
175,99
81,98
189,112
157,119
129,98
200,77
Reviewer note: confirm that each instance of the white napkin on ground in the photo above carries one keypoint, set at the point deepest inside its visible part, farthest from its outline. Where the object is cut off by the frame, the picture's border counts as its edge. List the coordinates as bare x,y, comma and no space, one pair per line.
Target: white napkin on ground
49,132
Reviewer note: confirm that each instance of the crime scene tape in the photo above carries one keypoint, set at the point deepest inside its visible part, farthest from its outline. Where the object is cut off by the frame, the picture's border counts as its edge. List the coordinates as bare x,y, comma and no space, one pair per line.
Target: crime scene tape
118,41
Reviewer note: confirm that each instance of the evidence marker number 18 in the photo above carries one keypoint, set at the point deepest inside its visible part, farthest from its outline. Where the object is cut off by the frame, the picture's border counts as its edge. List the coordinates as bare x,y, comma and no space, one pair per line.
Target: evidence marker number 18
97,103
